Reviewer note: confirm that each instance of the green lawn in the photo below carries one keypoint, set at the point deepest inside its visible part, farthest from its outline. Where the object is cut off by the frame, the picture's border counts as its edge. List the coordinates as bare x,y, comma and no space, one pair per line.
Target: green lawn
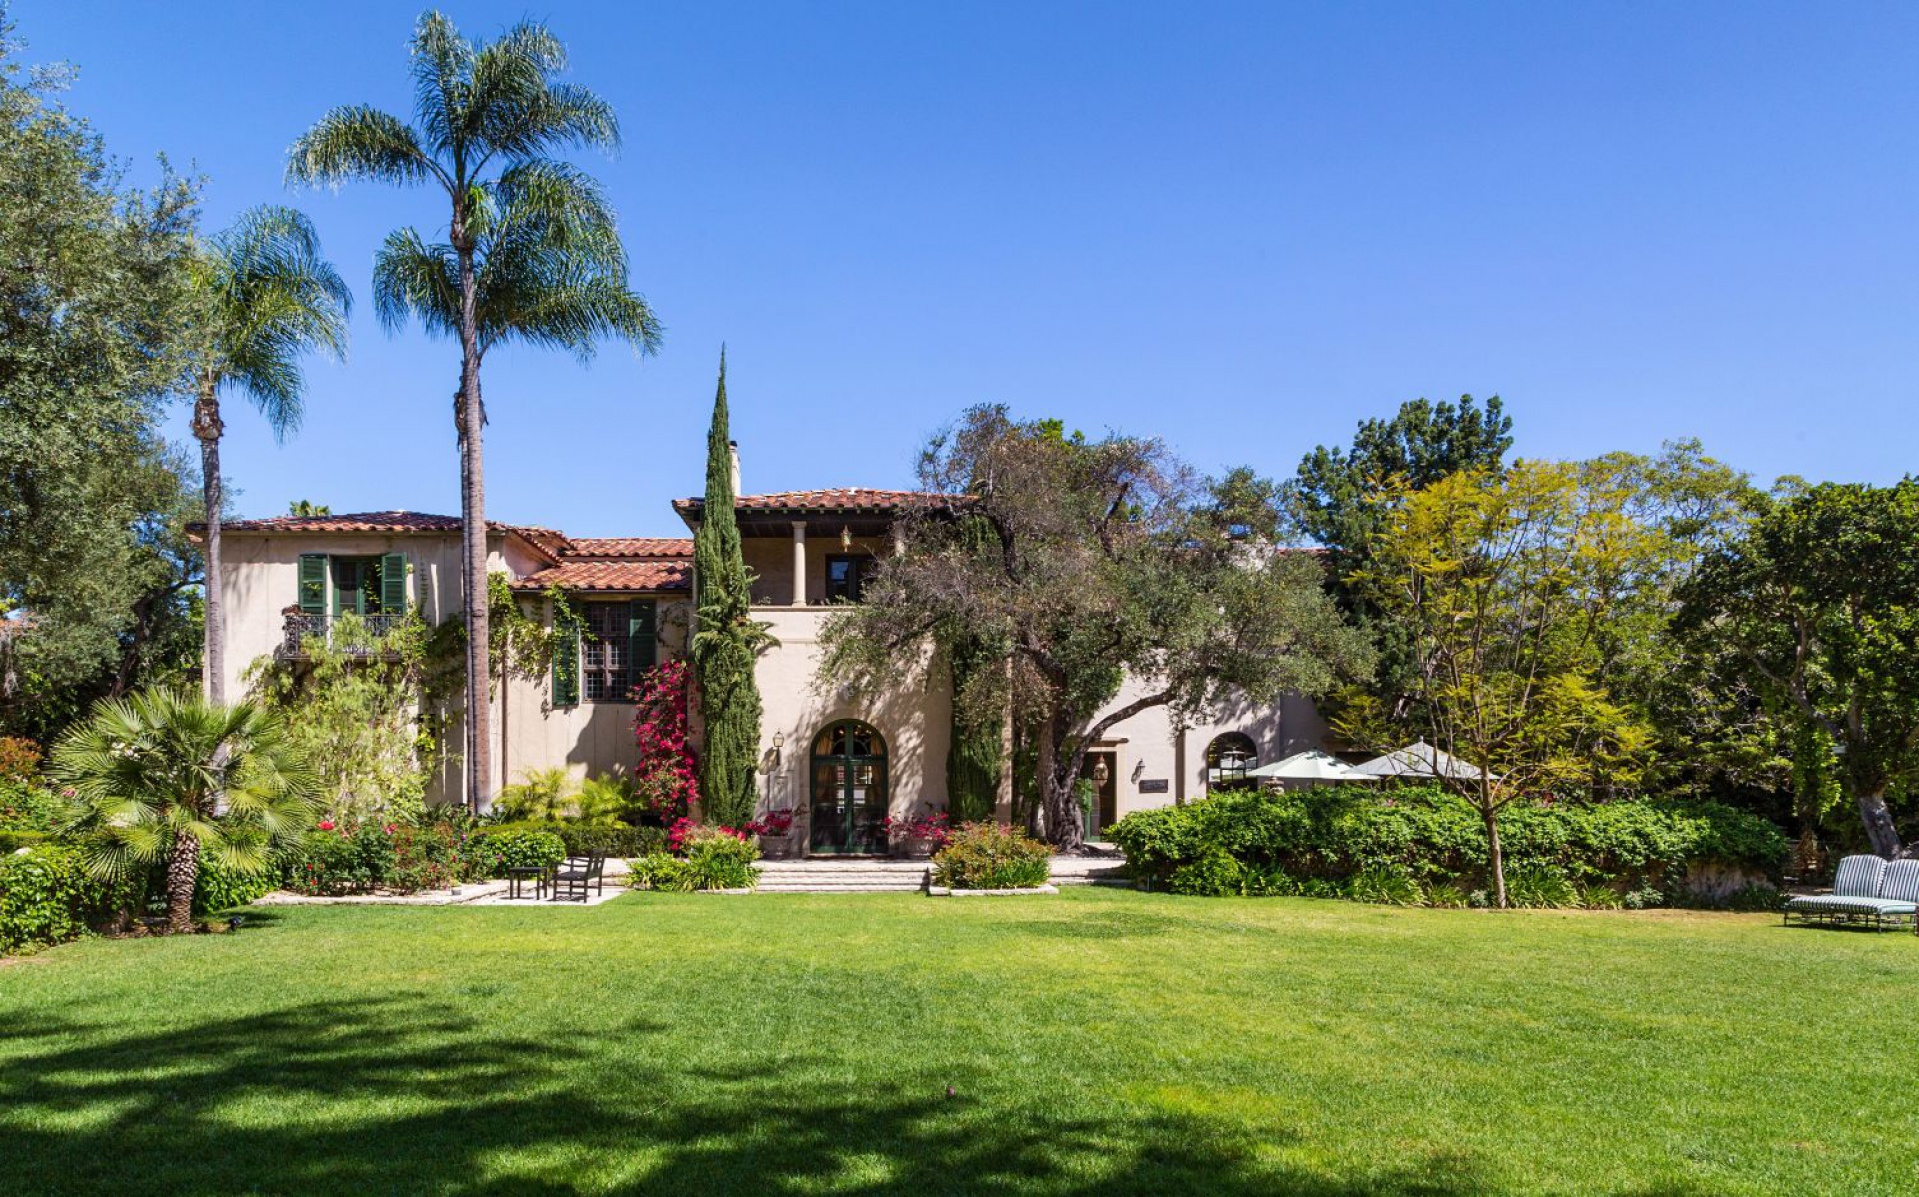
1097,1043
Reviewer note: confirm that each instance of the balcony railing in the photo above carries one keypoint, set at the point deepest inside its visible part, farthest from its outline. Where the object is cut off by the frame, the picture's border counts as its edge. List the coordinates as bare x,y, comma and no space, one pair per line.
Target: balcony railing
301,628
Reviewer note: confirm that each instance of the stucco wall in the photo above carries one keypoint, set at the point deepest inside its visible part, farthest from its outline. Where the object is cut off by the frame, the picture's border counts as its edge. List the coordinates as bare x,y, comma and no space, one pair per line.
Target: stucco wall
588,739
914,719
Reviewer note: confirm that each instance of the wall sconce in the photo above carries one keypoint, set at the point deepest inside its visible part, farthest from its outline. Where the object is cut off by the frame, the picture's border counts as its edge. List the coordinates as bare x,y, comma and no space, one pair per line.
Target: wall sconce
846,539
772,761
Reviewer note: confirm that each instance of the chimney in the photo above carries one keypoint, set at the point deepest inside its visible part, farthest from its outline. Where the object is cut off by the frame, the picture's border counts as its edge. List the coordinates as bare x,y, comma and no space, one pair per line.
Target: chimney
733,451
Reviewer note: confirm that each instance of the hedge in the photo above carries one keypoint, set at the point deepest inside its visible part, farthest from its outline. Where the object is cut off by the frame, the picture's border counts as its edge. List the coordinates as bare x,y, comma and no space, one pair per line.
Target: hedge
613,839
1280,842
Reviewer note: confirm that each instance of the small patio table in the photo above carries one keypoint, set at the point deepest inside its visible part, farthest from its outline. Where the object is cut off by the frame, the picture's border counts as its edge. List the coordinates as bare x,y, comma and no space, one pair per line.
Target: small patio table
517,876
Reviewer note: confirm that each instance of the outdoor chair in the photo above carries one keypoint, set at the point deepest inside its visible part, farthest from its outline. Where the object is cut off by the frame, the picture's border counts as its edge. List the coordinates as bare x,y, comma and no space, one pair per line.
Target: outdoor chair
574,875
1866,891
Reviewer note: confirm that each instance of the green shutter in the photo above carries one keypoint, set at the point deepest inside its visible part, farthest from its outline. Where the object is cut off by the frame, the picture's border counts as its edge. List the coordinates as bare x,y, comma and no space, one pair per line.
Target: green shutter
393,584
566,663
313,571
642,637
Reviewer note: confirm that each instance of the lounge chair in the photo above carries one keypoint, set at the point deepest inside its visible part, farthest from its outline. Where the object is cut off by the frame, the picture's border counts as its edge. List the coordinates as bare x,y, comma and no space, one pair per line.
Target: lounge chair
576,873
1866,891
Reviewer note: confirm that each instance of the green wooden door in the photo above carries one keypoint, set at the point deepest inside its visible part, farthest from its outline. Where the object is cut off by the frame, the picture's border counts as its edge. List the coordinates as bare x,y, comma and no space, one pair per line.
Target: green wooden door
850,793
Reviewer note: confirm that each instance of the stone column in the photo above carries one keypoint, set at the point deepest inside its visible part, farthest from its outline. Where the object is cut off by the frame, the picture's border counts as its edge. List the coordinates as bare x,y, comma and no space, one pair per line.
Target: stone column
799,563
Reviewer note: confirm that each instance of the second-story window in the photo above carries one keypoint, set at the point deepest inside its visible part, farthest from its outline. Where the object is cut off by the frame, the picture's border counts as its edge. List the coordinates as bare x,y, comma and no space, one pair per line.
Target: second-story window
846,577
604,664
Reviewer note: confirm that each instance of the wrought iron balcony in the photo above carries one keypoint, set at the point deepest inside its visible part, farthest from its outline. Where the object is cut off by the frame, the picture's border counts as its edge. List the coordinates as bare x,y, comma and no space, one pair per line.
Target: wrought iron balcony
301,629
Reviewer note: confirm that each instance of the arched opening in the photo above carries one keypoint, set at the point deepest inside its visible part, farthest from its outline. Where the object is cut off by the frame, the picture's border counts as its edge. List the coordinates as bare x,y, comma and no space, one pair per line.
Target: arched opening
1229,757
849,789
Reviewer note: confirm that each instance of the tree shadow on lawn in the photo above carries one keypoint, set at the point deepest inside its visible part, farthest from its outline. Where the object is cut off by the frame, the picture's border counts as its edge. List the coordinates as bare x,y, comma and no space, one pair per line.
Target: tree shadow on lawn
401,1095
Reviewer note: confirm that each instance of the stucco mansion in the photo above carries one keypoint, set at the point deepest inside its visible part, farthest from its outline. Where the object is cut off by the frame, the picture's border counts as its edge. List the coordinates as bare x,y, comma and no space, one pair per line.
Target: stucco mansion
840,761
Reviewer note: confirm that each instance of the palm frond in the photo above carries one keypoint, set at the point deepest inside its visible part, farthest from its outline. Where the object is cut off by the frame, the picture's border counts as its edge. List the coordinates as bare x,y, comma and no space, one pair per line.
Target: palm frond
276,298
442,69
412,278
359,142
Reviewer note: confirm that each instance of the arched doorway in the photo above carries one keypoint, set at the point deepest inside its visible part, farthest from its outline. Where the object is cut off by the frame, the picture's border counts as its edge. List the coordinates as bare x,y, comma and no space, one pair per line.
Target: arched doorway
1228,758
849,789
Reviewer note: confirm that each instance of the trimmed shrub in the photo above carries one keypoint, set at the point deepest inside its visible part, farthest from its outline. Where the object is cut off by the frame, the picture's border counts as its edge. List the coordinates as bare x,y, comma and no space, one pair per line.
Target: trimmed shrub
1214,875
614,839
494,850
992,856
47,897
1339,834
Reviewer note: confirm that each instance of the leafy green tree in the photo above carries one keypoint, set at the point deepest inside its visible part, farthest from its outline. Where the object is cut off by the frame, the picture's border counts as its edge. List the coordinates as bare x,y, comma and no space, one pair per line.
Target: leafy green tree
726,639
531,251
165,777
1499,579
1342,498
97,578
1102,562
267,298
1820,600
307,508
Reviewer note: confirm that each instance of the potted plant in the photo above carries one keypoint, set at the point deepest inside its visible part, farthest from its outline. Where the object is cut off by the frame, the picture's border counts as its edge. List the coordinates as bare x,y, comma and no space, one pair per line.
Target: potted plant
917,835
775,829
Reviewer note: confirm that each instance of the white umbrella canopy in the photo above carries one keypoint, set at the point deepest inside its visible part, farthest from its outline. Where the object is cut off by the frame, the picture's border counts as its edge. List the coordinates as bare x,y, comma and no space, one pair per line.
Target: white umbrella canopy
1420,759
1311,765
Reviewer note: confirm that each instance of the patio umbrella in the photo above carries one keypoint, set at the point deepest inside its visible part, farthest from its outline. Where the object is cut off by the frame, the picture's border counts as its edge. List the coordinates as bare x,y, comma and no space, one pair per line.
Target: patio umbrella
1311,765
1419,759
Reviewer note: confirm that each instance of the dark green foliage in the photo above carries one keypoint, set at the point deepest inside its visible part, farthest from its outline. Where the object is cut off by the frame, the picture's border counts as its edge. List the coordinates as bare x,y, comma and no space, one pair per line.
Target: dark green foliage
614,839
220,888
95,298
1817,606
494,850
1430,838
13,840
991,856
26,805
975,756
725,641
47,896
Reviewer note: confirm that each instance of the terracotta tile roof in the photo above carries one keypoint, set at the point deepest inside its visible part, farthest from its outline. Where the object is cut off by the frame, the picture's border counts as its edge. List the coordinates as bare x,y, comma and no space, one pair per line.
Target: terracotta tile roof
546,541
576,574
365,521
849,499
628,546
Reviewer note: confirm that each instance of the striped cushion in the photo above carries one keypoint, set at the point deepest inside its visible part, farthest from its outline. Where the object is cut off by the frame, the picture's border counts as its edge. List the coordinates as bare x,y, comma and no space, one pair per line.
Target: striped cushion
1901,882
1835,904
1858,877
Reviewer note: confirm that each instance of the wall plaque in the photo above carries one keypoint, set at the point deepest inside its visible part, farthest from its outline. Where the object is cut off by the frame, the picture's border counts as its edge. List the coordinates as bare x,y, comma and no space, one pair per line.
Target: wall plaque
1153,785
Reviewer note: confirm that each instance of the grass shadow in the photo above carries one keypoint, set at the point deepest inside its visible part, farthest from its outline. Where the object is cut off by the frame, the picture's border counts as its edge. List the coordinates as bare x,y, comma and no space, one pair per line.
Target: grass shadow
403,1094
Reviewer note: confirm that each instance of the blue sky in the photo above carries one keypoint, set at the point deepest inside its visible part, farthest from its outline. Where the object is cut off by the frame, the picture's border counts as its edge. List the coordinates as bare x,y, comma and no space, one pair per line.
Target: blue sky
1240,227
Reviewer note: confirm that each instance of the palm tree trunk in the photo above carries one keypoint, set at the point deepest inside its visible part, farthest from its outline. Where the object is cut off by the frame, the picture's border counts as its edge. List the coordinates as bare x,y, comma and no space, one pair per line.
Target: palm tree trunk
479,729
207,428
183,872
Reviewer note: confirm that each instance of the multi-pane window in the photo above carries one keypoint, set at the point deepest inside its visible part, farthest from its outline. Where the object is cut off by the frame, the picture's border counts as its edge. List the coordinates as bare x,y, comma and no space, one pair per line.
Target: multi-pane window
605,665
846,576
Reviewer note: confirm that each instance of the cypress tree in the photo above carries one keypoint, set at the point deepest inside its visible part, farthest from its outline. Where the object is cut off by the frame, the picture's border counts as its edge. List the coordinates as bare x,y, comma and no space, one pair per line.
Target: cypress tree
975,754
726,640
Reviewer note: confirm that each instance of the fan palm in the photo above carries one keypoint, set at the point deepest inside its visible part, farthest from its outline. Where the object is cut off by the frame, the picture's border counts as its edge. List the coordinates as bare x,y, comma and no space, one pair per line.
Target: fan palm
269,298
166,776
531,250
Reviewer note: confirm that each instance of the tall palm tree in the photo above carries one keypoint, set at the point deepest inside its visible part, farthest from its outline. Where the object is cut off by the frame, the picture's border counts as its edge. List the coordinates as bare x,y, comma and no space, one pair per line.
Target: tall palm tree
531,249
269,298
166,776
